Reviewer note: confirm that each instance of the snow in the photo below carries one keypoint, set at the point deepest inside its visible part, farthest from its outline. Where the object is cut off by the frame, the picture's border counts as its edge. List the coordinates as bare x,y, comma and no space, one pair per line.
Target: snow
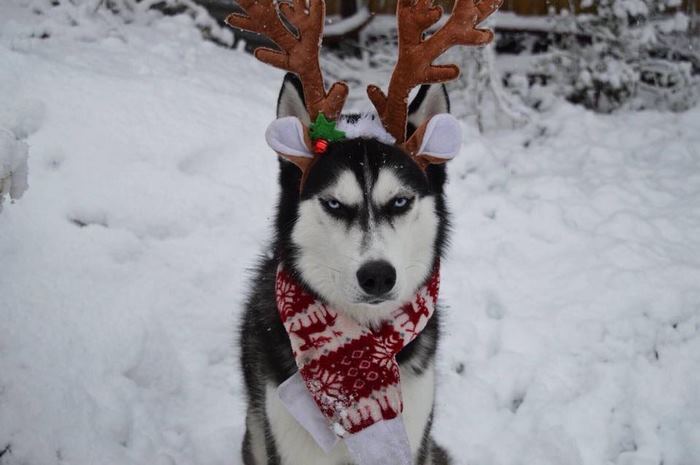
573,293
572,329
501,20
17,121
13,165
545,24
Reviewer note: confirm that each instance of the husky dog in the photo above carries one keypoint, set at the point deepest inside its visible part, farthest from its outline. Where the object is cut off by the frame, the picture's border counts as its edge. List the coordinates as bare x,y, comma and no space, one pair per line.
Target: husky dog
364,234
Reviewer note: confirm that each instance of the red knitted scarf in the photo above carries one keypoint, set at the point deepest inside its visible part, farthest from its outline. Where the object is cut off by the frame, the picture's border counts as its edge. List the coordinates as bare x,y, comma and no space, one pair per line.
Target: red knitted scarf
349,369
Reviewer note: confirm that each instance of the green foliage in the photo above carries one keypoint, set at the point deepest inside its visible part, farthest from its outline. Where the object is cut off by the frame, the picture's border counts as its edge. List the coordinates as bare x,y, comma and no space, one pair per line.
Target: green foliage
322,128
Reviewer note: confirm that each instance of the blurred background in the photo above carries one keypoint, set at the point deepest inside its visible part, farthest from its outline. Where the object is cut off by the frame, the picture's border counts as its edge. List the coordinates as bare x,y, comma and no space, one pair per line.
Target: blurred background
604,54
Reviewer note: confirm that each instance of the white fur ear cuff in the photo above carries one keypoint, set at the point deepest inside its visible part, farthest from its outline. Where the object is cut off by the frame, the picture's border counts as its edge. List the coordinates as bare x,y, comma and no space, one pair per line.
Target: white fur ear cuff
442,137
286,137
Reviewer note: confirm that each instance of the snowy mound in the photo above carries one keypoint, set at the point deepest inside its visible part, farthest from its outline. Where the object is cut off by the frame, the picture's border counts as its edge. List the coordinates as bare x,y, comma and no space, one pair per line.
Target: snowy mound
13,166
572,304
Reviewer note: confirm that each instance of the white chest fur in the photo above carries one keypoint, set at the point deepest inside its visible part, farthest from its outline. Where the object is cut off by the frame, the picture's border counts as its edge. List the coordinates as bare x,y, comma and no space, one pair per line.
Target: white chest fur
296,447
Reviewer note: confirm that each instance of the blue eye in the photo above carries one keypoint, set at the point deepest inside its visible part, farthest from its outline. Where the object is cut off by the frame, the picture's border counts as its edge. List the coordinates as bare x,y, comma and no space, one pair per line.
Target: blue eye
338,210
400,205
400,202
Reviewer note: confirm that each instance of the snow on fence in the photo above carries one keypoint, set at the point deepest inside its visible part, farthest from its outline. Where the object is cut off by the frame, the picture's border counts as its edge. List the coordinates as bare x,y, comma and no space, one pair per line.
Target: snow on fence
521,7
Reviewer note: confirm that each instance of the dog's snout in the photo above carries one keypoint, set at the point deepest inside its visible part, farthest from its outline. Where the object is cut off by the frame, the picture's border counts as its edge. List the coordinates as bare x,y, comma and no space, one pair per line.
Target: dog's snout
376,278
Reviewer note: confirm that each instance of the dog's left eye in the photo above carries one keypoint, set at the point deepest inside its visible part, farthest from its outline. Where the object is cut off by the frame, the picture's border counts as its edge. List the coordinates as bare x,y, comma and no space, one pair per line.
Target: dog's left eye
332,204
400,204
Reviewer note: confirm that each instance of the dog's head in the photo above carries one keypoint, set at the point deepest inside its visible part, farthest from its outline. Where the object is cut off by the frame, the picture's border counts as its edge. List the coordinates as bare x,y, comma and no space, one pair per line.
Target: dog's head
362,218
369,224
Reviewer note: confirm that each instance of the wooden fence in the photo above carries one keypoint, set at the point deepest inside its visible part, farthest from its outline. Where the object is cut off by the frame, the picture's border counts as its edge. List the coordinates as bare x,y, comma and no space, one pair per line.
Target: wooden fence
522,7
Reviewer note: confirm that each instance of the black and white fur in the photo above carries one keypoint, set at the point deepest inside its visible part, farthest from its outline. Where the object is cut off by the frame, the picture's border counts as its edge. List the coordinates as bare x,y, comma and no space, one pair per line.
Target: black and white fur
351,212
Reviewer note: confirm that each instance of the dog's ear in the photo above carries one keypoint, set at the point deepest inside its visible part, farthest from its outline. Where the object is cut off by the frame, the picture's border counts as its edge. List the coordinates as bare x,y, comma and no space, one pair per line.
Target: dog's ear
430,100
291,100
288,134
433,135
436,141
290,139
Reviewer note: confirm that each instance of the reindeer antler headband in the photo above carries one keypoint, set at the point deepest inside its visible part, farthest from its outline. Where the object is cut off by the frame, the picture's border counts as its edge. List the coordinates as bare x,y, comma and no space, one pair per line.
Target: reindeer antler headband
299,54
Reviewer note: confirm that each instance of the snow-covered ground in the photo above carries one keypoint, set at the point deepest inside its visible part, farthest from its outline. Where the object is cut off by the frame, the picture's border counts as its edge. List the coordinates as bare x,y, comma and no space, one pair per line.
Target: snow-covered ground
572,288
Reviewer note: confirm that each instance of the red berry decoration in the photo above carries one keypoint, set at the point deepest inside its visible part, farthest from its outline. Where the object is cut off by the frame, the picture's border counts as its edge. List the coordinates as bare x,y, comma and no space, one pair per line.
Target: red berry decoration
323,132
320,146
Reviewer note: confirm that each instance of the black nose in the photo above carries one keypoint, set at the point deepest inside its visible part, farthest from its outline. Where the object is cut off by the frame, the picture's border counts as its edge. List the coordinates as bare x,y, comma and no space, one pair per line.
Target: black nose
376,278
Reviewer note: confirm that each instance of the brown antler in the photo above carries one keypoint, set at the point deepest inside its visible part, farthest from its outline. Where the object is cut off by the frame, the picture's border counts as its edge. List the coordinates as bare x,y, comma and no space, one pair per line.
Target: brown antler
416,54
297,54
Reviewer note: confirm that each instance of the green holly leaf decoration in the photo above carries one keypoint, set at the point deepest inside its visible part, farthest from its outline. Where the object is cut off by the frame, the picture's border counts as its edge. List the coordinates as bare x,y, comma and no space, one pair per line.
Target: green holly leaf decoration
324,129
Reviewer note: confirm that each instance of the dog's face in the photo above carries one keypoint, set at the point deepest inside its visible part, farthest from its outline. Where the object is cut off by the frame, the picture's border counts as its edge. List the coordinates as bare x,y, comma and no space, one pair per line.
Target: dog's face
368,229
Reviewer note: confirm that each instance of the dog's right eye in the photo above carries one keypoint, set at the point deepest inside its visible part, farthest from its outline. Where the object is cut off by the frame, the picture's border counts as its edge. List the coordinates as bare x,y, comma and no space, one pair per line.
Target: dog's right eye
338,210
334,208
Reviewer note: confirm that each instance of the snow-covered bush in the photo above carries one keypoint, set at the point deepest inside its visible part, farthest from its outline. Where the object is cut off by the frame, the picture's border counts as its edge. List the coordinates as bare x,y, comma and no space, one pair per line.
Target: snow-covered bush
91,19
625,53
593,76
478,94
20,118
669,85
13,166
